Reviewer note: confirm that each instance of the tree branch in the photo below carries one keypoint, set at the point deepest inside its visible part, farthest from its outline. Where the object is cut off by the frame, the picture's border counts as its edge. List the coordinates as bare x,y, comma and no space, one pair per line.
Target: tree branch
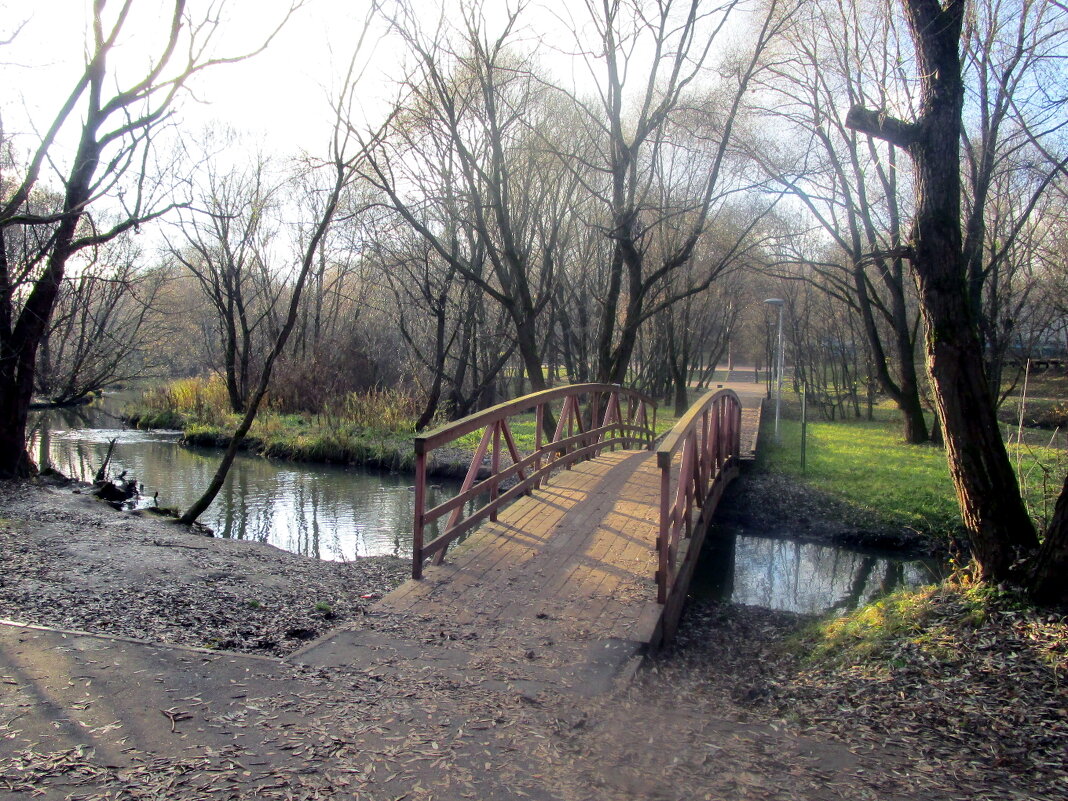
882,126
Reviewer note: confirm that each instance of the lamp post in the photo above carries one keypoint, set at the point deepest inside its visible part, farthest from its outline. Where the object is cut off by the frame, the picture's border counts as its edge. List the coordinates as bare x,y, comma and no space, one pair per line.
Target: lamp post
780,356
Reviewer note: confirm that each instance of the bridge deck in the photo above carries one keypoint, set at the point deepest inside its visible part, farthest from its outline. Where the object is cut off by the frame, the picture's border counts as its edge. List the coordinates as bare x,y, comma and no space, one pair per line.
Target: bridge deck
578,554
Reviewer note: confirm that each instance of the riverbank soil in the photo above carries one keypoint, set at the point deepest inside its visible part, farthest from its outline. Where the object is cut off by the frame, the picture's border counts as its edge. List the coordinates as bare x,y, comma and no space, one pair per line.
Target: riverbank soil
733,711
68,560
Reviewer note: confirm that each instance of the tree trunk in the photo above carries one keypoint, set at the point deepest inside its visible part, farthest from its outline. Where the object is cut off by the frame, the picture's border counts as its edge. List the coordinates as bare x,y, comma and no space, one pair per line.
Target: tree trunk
999,528
1048,583
15,461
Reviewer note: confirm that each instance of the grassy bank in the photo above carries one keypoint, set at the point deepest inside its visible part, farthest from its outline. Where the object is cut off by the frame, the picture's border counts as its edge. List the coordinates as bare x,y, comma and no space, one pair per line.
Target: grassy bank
967,678
373,429
866,464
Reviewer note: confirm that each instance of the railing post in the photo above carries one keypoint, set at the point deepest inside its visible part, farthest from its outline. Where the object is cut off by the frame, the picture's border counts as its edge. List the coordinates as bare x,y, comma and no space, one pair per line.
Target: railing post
539,428
595,416
495,465
662,539
652,431
707,462
420,509
737,438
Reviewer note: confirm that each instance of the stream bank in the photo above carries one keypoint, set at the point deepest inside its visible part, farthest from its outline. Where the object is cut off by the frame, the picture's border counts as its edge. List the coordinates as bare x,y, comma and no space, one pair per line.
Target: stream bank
72,562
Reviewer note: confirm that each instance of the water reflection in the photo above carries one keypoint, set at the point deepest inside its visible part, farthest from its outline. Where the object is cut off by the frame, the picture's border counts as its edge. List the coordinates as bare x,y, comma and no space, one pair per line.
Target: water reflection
317,510
799,577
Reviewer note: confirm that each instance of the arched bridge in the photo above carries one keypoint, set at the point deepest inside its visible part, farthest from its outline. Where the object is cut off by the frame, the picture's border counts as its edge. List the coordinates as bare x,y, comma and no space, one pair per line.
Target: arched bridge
582,525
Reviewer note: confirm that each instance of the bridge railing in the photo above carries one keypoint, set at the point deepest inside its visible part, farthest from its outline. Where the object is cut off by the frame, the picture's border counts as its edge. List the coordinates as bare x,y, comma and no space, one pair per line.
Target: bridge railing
589,419
696,460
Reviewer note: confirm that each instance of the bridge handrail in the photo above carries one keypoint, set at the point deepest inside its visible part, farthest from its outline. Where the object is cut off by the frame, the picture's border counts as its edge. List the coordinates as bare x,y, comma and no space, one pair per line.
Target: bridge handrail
709,436
571,441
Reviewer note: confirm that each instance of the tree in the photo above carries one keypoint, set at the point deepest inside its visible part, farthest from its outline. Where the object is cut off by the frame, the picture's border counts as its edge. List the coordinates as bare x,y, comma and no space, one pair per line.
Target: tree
224,243
465,163
114,119
1010,50
1000,530
101,331
850,183
662,153
342,172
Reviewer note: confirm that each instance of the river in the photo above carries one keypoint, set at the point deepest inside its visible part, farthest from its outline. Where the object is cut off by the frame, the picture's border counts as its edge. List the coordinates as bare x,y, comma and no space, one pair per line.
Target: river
340,514
327,512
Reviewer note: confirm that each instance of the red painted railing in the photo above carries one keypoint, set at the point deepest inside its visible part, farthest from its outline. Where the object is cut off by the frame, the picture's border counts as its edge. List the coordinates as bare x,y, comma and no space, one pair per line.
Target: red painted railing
590,419
696,459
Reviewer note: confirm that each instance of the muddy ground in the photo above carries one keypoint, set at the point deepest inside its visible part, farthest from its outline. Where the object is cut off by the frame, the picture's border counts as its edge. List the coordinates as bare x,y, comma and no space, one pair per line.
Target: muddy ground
71,561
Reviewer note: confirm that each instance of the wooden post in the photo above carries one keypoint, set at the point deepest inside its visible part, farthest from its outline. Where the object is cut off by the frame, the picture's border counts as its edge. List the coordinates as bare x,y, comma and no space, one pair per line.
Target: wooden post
495,466
662,539
420,508
539,426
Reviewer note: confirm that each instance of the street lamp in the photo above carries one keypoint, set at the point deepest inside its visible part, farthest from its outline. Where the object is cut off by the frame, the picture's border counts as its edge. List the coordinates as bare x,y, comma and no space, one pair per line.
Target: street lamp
779,364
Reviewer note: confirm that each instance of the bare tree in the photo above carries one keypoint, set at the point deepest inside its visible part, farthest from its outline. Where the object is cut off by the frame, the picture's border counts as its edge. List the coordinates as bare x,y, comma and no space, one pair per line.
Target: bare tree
114,119
465,164
1010,51
224,242
102,329
850,183
341,170
654,213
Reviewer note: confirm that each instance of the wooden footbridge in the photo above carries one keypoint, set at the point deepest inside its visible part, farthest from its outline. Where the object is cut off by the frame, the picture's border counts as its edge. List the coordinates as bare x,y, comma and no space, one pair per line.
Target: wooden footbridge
590,533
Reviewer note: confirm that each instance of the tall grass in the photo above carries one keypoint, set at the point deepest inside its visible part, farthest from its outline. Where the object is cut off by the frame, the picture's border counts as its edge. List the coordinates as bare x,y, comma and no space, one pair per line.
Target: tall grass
372,428
199,400
378,409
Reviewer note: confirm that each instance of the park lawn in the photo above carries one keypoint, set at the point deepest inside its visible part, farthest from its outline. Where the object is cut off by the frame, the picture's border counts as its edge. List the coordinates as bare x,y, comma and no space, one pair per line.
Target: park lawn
866,464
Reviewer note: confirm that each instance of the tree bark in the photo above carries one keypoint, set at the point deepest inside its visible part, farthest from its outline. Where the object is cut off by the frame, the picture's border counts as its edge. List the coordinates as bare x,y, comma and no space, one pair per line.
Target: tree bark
999,528
1048,583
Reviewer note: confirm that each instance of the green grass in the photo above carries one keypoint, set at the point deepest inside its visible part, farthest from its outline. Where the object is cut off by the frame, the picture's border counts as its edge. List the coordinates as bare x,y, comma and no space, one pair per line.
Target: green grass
871,630
932,620
868,465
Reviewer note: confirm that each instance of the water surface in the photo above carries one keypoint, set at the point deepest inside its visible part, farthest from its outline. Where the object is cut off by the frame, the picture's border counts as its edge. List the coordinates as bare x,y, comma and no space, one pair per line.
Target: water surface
805,577
317,510
343,513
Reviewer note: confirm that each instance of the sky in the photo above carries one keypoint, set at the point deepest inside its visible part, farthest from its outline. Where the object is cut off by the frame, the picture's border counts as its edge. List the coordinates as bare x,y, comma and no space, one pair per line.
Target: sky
277,102
281,96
